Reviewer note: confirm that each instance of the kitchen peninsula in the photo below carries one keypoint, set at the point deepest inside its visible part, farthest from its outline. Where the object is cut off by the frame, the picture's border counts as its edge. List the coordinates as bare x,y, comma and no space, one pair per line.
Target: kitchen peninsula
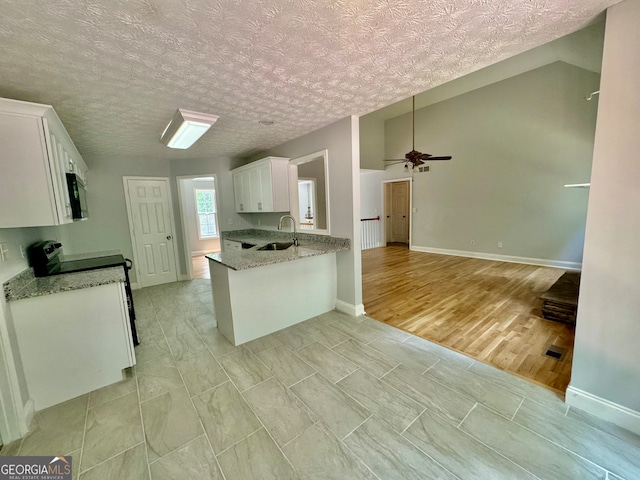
257,292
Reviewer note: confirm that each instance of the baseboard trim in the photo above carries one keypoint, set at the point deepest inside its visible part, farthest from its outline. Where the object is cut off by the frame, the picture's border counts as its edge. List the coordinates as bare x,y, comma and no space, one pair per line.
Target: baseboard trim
542,262
349,308
604,409
135,286
183,277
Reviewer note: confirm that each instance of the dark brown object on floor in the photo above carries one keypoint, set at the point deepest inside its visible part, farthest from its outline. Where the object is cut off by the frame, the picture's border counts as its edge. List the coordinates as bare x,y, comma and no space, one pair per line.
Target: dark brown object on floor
560,302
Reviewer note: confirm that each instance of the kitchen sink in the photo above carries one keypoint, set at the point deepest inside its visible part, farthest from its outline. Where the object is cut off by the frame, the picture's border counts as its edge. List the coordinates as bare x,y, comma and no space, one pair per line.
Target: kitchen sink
276,246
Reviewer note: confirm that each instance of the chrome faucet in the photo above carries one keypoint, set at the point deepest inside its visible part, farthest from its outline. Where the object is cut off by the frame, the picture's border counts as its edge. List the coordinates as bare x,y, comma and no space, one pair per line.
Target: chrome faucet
293,223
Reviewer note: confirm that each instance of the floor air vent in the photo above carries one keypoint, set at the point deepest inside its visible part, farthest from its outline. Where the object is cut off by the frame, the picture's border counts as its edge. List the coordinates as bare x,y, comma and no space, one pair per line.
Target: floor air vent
555,352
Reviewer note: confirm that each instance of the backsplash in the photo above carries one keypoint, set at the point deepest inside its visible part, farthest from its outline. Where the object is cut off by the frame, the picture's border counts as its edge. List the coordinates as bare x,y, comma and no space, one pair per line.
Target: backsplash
14,238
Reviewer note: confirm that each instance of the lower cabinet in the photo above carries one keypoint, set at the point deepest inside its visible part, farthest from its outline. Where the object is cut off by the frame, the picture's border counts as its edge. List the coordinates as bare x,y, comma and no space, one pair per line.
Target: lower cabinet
231,246
73,342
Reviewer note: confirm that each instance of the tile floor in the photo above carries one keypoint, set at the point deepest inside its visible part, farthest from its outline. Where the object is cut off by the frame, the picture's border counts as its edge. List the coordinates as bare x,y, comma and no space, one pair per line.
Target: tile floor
331,398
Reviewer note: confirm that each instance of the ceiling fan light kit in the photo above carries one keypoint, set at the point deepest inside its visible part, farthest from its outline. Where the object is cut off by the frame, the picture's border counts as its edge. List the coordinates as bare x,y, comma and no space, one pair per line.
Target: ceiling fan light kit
415,158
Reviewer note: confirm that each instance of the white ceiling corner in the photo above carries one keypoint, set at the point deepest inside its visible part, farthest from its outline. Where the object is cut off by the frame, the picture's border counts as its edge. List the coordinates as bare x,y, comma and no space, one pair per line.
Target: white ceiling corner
116,71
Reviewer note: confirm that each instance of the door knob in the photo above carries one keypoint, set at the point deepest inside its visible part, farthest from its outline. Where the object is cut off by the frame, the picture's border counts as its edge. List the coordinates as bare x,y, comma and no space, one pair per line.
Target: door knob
169,237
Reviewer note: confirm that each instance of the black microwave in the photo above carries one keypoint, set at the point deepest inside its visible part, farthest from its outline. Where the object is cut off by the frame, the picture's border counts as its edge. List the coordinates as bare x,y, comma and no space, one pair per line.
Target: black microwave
77,197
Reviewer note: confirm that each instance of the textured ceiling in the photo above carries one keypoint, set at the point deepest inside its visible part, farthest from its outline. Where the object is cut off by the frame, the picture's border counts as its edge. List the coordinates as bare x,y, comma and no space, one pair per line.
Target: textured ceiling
116,70
583,49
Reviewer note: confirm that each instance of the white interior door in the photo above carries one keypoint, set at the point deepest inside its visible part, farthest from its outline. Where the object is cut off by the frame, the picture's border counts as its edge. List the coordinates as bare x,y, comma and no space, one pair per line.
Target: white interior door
150,219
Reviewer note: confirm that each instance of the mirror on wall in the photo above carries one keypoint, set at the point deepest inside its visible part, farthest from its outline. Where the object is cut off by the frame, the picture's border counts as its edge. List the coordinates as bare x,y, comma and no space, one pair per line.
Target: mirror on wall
309,190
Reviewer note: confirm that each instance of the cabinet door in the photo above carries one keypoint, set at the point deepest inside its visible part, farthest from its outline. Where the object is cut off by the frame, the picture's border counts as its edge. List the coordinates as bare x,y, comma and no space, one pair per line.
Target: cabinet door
238,192
255,190
26,191
59,172
266,188
232,246
87,336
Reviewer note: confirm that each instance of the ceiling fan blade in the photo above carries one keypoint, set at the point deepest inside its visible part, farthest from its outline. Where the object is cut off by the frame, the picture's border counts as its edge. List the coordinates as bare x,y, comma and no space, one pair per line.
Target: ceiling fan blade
397,160
449,157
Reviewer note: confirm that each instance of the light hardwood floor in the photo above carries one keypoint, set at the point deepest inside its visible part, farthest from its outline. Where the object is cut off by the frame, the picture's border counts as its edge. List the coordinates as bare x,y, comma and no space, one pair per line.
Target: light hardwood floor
200,267
488,310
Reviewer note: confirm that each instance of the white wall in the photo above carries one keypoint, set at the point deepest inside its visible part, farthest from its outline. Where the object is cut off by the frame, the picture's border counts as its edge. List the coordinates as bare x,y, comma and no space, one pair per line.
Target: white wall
341,139
372,142
196,246
515,143
606,361
372,199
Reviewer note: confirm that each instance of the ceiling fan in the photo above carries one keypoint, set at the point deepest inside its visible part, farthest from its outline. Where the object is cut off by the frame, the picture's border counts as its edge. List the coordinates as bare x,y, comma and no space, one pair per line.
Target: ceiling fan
415,158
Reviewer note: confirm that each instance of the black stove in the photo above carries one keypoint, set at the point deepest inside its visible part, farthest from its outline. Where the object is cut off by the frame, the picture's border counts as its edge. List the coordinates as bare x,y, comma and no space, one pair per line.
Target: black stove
68,266
46,258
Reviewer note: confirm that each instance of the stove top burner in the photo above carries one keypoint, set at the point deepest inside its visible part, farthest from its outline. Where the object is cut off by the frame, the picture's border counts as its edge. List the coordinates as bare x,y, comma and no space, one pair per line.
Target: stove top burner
84,264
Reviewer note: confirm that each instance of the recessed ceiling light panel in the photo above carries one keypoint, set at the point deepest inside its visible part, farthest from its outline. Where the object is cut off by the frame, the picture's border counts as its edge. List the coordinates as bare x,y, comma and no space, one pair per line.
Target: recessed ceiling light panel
185,128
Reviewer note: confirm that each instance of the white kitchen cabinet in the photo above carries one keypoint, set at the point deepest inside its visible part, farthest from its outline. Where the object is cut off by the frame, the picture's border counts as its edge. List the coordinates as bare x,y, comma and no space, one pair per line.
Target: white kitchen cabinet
231,246
73,342
37,154
241,191
262,186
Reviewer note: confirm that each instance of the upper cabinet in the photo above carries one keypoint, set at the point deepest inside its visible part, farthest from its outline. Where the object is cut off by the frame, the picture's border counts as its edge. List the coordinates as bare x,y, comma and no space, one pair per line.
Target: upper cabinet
37,153
262,186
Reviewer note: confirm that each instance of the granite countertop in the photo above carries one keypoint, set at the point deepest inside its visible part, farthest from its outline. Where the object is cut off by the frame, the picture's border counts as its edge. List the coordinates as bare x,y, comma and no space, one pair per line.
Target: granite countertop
26,285
309,245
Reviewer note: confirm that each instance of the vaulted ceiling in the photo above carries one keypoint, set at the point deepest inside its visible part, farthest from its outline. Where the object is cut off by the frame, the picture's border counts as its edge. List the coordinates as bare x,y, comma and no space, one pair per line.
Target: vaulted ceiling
116,71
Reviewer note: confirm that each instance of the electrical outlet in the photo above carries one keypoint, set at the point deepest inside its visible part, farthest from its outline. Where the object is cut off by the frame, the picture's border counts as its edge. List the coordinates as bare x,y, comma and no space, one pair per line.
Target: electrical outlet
414,209
4,252
499,244
21,251
230,221
473,242
259,222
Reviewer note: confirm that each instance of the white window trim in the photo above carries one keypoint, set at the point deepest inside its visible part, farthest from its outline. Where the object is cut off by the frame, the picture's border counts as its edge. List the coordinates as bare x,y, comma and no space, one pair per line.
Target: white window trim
199,229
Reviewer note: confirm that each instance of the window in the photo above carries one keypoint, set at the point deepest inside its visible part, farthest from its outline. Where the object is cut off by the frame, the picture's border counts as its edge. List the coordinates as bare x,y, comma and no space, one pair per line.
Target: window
206,208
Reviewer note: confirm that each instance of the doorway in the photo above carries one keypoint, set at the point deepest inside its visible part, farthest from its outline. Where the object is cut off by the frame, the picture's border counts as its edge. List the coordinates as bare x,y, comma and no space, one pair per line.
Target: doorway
200,229
307,203
397,208
150,213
